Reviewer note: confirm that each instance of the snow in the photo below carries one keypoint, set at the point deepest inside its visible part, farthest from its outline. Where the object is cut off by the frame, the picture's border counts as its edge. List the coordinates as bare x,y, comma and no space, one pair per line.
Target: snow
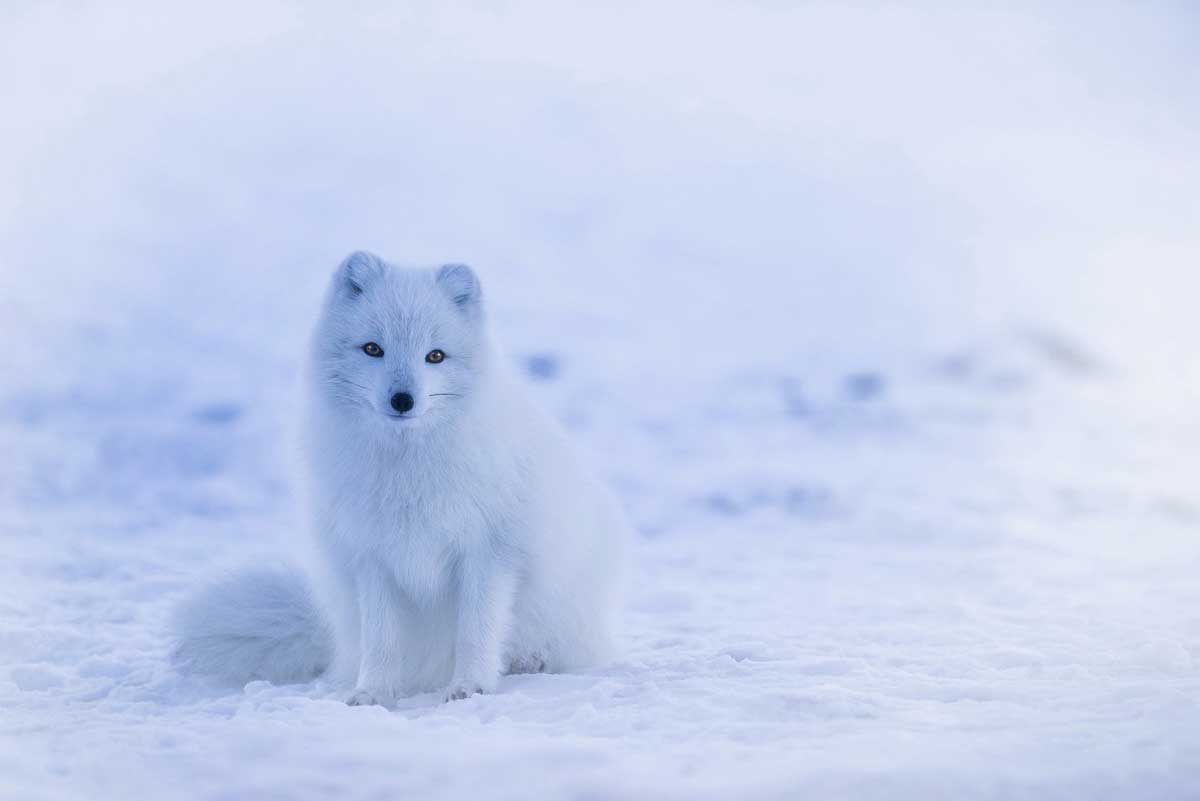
880,321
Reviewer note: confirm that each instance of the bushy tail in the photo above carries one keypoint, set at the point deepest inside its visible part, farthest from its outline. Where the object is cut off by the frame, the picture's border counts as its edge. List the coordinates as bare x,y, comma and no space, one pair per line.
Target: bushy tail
259,624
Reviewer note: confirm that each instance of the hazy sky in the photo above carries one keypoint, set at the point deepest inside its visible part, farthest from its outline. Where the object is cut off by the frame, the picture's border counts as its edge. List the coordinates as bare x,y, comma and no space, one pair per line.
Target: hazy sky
862,179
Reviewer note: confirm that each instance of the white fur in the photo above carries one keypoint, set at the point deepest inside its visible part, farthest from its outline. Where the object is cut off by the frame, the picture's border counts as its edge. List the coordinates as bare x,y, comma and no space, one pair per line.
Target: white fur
259,624
456,542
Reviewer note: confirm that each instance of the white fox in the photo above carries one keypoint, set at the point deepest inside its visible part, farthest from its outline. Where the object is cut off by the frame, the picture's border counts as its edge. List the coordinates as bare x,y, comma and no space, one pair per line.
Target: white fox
457,536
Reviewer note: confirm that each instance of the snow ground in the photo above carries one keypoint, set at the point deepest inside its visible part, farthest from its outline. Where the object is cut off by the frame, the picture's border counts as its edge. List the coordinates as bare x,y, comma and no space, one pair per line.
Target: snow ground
878,320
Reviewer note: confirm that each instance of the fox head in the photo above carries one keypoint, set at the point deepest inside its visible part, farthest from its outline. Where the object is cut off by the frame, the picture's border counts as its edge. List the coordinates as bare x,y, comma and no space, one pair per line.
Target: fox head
398,346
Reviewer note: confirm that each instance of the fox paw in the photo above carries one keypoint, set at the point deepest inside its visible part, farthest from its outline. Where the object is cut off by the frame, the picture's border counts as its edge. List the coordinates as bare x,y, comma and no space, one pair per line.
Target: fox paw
362,698
460,690
527,664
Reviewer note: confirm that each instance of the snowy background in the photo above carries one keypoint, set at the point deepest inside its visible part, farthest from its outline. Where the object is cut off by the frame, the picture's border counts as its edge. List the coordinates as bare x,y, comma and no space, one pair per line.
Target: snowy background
882,322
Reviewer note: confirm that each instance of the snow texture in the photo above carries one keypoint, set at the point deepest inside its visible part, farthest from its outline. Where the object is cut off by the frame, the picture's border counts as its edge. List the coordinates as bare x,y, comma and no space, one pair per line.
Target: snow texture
879,320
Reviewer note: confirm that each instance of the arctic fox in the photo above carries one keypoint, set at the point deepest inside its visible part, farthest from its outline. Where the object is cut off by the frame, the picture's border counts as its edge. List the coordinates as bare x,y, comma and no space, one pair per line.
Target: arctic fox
457,536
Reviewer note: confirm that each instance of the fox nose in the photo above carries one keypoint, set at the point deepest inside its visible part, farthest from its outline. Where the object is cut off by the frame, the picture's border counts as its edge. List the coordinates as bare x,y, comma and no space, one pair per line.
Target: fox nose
402,402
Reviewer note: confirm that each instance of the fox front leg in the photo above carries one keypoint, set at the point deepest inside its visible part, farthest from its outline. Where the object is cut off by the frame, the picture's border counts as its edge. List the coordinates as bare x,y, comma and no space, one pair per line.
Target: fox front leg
380,609
485,601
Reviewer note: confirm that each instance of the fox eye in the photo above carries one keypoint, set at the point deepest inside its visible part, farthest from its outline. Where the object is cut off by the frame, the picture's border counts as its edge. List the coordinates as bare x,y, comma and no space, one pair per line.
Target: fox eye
435,357
371,349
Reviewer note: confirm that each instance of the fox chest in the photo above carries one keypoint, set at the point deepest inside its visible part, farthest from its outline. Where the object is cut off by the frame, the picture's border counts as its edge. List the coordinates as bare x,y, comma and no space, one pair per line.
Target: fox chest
421,540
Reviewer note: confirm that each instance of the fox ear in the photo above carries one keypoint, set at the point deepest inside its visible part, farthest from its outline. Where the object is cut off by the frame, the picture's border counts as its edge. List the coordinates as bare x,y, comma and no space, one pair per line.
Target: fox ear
461,284
357,271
